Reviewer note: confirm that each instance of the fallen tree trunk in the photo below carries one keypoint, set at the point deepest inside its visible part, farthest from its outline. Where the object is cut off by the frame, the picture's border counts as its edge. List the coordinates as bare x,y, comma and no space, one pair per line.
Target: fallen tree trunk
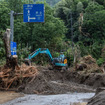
11,61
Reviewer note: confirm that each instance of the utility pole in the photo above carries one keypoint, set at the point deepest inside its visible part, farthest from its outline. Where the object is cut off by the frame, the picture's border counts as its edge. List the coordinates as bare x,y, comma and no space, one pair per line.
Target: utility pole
12,26
12,14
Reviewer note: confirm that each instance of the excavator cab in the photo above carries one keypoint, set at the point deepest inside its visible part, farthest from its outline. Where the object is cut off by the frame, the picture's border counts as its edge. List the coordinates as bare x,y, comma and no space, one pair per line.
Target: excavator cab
62,57
60,62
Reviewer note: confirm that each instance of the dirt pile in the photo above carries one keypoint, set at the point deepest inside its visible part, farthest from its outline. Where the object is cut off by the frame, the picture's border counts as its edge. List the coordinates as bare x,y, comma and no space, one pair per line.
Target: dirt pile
87,64
94,79
40,80
53,82
10,78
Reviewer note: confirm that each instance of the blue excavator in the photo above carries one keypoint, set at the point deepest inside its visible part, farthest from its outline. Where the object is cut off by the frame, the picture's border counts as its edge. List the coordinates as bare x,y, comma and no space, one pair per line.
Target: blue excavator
57,63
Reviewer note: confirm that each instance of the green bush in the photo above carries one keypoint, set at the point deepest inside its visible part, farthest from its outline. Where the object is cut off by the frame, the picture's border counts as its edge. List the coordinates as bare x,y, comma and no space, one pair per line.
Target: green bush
100,61
2,61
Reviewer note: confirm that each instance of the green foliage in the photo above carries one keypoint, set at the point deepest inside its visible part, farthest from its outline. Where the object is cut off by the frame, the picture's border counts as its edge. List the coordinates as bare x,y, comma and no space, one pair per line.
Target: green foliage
2,61
93,7
100,61
88,31
52,2
4,15
101,2
80,7
70,57
94,49
15,5
94,29
22,53
2,50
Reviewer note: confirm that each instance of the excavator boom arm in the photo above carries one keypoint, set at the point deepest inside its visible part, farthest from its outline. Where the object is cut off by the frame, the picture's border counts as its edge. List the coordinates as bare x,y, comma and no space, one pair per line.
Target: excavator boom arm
40,51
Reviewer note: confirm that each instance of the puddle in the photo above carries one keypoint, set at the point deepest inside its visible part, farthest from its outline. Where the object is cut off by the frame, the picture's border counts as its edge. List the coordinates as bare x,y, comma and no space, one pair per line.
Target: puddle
60,99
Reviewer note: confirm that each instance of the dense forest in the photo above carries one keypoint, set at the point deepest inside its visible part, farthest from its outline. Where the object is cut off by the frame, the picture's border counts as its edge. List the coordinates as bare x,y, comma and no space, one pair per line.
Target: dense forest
76,27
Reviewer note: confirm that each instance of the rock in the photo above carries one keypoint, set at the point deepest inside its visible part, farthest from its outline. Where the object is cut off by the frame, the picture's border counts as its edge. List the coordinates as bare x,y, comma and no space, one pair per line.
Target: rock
99,98
100,89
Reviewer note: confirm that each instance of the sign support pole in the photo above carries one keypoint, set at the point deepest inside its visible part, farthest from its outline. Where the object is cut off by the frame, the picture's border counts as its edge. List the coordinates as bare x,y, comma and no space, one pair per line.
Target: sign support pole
12,14
12,26
12,43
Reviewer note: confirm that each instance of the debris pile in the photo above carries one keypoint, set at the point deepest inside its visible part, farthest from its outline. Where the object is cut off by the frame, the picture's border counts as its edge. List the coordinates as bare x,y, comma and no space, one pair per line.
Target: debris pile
53,82
87,64
9,78
41,80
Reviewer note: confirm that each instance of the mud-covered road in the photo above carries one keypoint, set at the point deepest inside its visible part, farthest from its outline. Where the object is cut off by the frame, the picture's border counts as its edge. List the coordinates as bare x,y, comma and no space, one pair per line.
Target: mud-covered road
61,99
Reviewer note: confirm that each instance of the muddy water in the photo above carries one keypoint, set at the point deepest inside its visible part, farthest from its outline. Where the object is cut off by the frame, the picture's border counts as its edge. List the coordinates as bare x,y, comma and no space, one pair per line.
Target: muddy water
7,96
61,99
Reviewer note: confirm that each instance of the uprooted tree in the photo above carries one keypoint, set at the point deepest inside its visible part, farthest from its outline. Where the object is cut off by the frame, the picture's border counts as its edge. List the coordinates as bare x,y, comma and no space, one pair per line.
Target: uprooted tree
11,75
11,61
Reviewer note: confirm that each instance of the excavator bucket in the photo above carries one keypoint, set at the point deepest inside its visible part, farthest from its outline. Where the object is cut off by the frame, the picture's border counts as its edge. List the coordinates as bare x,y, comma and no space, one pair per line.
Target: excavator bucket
27,62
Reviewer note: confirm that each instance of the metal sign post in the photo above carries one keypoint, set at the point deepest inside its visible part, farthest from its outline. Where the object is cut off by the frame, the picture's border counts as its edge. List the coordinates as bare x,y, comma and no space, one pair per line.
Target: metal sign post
13,44
12,14
11,25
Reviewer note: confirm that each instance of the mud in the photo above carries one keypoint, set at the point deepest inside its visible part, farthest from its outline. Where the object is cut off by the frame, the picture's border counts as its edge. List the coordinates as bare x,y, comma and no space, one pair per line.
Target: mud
55,82
94,79
6,96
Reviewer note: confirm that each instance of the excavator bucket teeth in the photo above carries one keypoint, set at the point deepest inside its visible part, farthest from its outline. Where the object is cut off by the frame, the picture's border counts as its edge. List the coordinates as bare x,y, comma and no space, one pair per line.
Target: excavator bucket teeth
27,62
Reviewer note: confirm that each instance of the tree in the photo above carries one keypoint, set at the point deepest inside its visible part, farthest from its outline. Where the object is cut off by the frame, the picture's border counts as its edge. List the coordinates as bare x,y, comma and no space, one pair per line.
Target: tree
4,15
93,20
94,28
15,5
4,23
80,7
50,33
101,2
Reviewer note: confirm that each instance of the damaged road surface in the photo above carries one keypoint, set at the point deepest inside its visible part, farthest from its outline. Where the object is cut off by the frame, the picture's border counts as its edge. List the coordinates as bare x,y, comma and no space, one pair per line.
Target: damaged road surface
50,87
61,99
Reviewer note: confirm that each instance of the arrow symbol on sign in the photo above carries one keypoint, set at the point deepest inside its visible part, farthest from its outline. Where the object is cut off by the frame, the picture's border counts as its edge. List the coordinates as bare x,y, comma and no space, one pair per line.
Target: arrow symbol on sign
28,11
31,18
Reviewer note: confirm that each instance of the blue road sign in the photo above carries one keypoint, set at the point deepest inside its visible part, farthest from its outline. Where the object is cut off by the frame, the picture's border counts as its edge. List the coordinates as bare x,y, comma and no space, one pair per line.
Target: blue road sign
33,12
13,48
